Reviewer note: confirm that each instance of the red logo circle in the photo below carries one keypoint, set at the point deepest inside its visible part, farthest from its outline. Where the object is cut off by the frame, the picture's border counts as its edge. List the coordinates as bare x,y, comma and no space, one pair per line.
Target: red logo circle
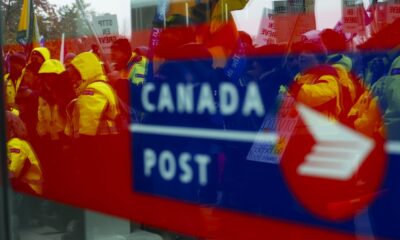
333,165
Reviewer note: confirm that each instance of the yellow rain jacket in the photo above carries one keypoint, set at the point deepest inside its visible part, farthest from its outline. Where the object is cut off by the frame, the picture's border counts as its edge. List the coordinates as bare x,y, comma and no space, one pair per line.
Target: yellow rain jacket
343,67
50,121
24,165
12,89
345,80
96,106
348,91
320,92
367,115
386,92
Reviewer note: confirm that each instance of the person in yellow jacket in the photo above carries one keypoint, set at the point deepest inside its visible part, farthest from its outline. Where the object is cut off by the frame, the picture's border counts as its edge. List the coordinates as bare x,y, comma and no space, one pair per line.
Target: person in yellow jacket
51,123
96,106
91,123
316,85
129,64
50,120
351,87
23,165
382,99
366,115
343,65
13,80
387,89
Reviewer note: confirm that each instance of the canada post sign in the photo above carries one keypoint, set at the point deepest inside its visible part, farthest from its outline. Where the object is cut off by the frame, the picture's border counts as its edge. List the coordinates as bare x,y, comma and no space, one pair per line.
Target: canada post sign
204,139
180,147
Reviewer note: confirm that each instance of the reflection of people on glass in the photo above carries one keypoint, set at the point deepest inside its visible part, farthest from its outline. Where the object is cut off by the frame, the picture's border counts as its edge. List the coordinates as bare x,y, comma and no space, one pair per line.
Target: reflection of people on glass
27,99
17,72
316,85
51,122
92,119
384,99
96,105
128,76
23,165
130,64
13,80
336,46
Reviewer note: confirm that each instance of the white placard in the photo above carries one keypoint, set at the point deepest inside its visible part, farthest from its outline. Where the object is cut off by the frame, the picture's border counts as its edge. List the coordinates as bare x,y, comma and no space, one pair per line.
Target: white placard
353,18
267,32
106,27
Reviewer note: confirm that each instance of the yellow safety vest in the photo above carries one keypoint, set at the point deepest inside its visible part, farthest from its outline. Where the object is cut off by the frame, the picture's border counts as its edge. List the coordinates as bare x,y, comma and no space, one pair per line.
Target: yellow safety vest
12,88
50,120
94,111
136,70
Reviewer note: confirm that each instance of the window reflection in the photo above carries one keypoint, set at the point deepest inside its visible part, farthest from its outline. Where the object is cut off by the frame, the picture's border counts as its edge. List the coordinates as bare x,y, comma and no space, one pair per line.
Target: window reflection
192,109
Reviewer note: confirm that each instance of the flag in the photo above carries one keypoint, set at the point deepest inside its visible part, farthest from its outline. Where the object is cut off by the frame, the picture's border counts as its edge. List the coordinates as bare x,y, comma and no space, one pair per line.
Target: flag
28,30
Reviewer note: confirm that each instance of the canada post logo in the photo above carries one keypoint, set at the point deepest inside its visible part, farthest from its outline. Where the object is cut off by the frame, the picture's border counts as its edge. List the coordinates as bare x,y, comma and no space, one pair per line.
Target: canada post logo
332,169
338,152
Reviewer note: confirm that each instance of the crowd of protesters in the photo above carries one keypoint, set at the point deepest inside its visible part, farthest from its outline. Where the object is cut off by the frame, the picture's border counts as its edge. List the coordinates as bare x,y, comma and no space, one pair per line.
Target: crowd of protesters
71,117
65,120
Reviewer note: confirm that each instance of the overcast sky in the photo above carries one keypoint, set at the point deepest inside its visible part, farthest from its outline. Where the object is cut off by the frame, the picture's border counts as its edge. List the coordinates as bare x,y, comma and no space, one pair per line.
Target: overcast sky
328,12
119,7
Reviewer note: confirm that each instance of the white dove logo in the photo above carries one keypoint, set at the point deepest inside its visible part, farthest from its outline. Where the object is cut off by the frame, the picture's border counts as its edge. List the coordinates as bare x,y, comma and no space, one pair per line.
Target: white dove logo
339,150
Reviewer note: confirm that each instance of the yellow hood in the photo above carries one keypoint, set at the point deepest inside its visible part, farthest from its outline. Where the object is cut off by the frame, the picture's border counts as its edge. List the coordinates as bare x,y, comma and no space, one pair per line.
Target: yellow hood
52,66
90,68
43,51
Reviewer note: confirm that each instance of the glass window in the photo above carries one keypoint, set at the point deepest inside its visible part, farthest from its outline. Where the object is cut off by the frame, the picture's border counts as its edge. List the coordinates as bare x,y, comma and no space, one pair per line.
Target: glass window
208,119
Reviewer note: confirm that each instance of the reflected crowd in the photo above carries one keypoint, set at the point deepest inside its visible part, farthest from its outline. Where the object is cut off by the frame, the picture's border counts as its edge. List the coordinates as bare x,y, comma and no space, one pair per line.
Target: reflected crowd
66,118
